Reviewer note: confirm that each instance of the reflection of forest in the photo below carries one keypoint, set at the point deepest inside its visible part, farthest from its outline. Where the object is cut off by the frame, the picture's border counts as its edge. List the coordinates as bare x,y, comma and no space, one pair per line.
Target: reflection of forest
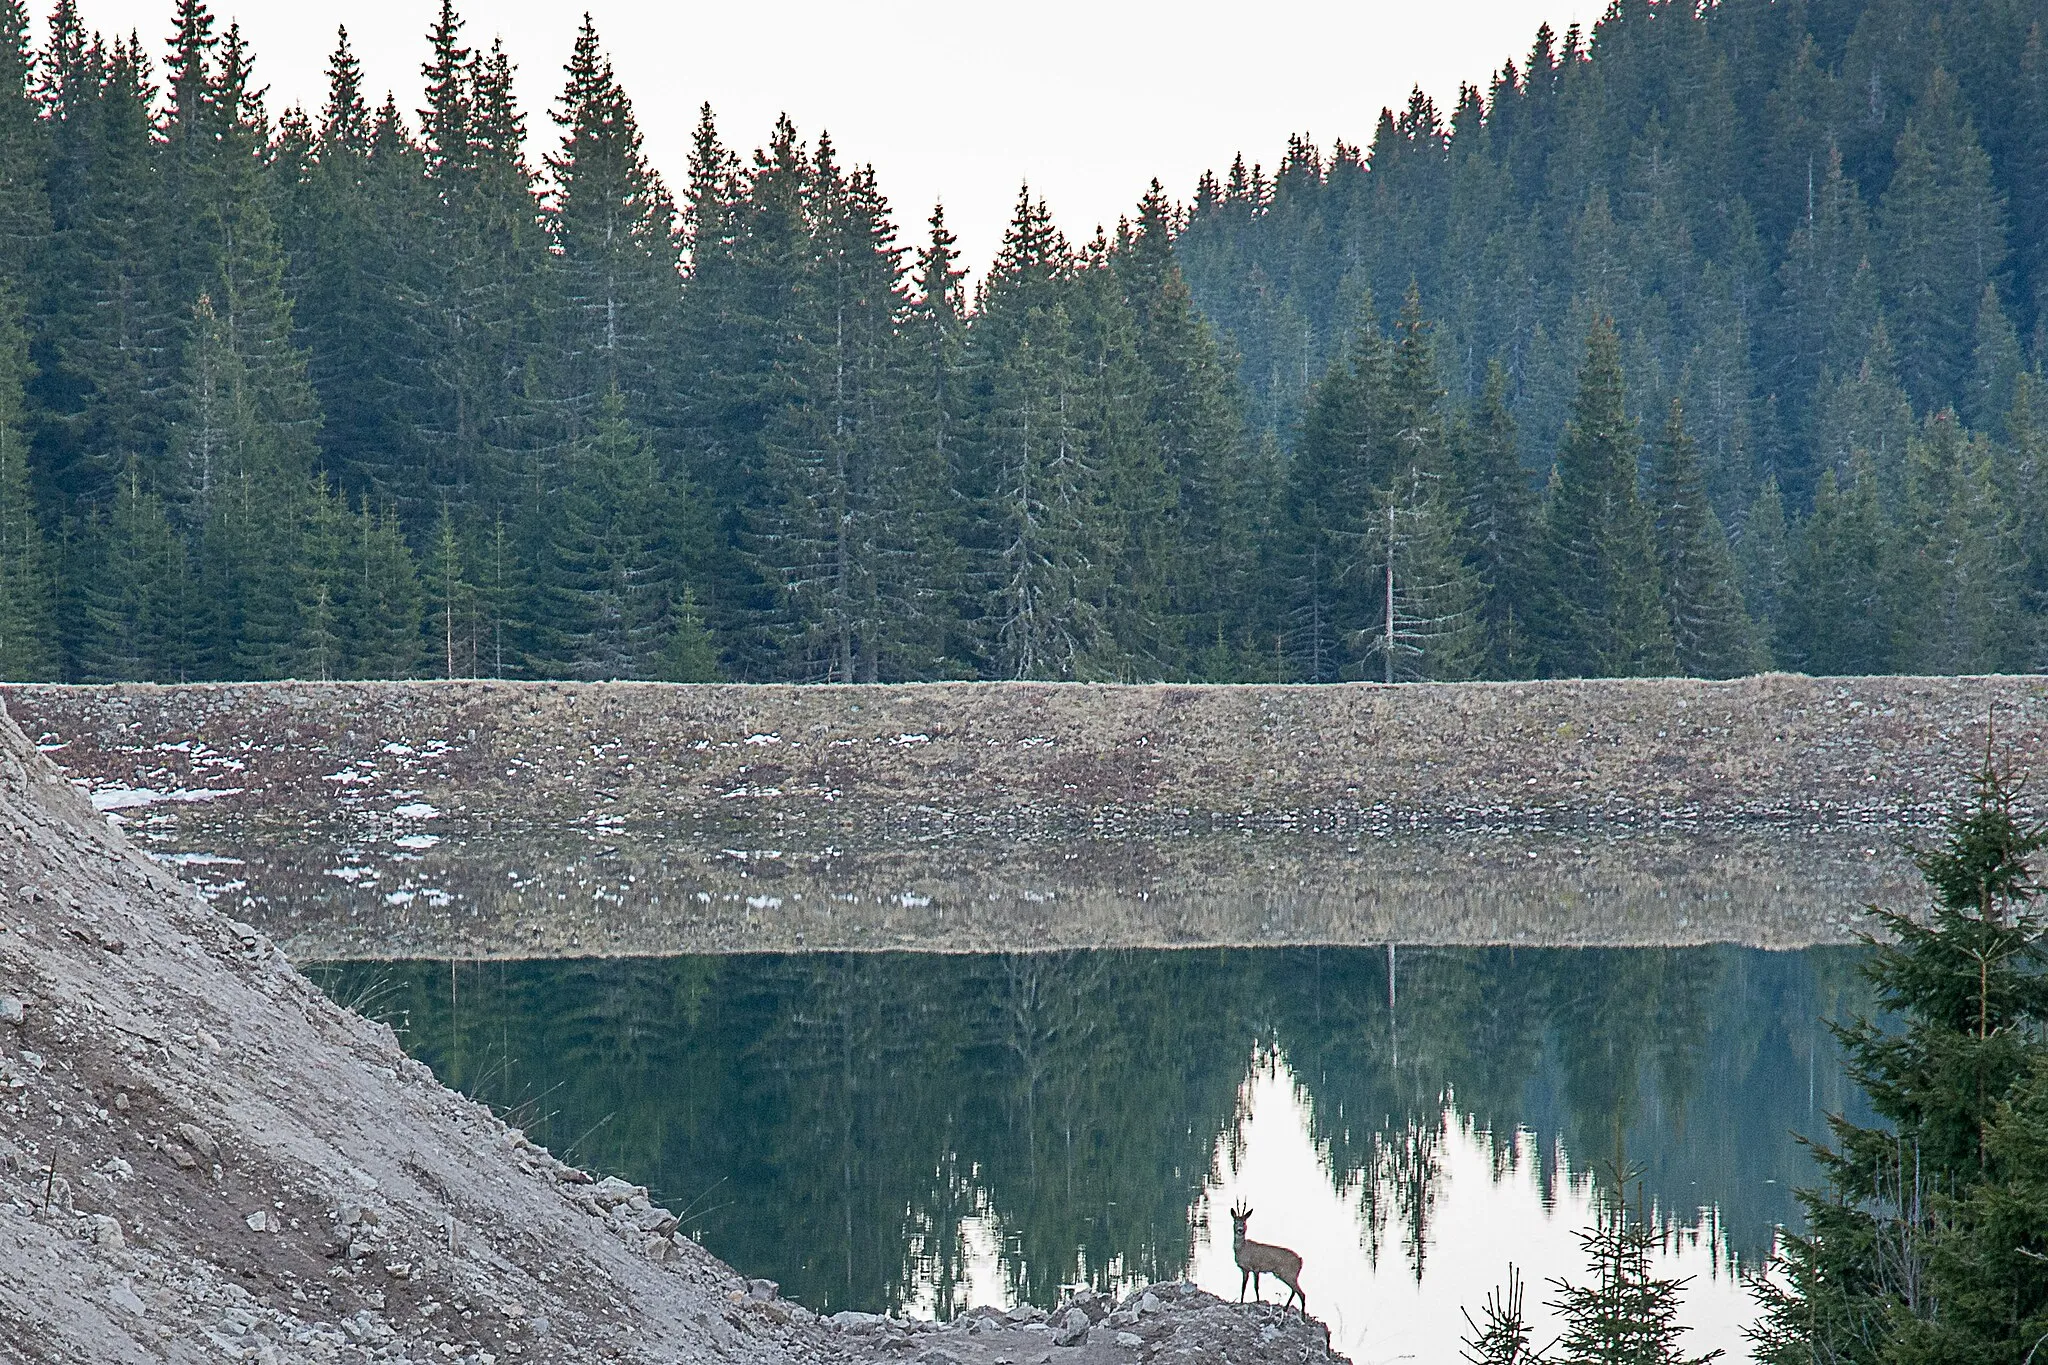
835,1120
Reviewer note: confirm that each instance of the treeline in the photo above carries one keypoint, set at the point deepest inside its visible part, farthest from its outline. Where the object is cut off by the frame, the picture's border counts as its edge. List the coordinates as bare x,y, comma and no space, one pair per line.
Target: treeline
351,394
1820,229
335,397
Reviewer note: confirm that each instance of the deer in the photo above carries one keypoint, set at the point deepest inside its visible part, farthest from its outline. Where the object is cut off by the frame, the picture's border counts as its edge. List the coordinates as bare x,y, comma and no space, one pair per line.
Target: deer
1259,1258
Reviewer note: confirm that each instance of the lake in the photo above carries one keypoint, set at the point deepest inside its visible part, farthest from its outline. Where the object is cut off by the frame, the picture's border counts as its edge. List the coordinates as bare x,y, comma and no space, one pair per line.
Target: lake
925,1132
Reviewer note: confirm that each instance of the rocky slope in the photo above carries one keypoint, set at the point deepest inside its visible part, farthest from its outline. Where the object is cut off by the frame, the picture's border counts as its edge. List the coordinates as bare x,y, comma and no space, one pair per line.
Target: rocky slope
202,1158
1004,758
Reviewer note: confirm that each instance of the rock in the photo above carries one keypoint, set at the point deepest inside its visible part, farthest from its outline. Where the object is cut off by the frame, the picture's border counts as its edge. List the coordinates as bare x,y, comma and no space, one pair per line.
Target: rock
661,1250
1122,1317
123,1295
1148,1303
611,1192
185,1159
1073,1328
763,1289
660,1222
846,1320
106,1233
1026,1312
1130,1341
198,1139
258,1221
539,1326
12,1011
937,1357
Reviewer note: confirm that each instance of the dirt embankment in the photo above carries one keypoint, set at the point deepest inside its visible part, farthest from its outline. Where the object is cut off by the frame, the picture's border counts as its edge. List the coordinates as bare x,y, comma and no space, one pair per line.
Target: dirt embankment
513,819
203,1158
1016,756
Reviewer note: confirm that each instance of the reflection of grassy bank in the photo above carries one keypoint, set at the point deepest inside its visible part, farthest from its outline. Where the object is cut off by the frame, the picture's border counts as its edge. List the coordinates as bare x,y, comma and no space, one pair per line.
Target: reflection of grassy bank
833,1118
574,895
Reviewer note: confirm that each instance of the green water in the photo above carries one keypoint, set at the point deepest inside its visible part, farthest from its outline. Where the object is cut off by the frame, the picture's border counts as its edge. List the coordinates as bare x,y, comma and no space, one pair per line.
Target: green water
854,1125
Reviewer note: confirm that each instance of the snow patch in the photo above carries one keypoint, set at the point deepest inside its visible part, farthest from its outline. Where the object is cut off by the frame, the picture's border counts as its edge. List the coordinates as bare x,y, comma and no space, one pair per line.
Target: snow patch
418,842
771,738
133,798
415,810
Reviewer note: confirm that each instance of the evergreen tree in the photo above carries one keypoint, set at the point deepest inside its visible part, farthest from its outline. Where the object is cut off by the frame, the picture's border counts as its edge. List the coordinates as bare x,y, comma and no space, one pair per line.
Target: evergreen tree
614,230
610,591
1499,525
1995,365
1627,1315
1959,591
1605,616
1764,557
1945,231
1838,614
28,641
137,608
1327,490
1429,625
1035,487
1909,1253
1710,630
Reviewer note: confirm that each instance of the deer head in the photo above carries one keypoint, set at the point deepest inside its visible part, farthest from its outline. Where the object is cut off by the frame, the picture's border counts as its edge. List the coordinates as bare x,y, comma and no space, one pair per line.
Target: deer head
1239,1216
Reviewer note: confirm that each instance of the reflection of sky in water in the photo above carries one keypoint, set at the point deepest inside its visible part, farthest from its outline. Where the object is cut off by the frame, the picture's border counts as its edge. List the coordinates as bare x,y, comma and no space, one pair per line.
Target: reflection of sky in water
1376,1309
1379,1312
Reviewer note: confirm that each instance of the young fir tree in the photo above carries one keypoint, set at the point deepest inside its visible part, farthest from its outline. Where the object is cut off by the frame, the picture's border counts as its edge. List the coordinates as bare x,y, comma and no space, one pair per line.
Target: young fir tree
1710,631
1627,1315
379,608
1918,1249
1503,1336
1605,617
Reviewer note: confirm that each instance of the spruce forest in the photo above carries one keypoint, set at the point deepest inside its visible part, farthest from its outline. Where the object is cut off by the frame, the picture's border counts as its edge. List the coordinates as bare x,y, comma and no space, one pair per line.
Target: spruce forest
1704,342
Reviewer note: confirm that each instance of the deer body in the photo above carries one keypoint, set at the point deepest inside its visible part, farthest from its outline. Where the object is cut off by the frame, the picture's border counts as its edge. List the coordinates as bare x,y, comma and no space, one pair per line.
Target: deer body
1261,1258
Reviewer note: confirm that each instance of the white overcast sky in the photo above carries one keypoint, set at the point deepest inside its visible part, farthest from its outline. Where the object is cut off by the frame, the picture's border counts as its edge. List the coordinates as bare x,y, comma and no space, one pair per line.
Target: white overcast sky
955,102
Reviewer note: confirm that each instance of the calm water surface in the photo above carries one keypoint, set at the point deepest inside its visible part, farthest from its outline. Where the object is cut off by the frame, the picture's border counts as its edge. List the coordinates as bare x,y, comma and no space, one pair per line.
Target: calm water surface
927,1132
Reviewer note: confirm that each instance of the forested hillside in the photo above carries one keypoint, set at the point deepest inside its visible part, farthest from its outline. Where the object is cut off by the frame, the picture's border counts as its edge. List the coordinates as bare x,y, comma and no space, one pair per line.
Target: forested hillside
371,392
1820,230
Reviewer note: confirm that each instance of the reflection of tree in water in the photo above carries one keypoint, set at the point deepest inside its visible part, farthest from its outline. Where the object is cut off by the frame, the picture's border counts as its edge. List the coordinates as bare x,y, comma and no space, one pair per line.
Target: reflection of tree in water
843,1122
1375,1038
1111,1077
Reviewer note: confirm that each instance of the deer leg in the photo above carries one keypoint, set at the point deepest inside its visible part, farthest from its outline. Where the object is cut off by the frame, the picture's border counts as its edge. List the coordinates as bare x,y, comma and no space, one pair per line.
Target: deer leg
1257,1293
1243,1279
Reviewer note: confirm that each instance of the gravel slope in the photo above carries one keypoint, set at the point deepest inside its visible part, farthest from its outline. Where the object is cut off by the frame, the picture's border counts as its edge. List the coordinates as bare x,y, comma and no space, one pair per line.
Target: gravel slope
202,1158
